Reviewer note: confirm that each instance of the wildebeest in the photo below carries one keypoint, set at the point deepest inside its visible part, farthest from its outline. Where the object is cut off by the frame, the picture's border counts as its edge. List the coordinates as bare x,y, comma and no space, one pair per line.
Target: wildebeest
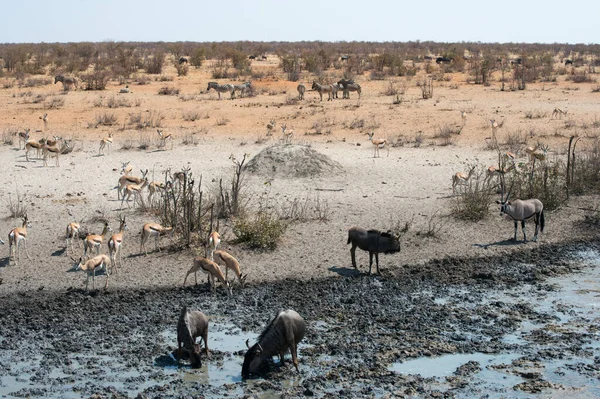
521,210
183,60
568,62
284,332
251,57
192,324
374,241
443,60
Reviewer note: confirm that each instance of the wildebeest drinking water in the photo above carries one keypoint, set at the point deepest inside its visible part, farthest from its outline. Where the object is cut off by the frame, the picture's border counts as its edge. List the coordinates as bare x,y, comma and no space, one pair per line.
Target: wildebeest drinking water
374,241
192,324
284,332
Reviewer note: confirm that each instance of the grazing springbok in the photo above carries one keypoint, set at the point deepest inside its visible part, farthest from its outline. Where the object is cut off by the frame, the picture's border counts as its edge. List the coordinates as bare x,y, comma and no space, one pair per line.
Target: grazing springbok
287,135
301,89
373,241
153,188
461,178
539,152
23,137
154,230
192,324
71,234
347,86
94,241
521,210
115,243
243,88
378,143
68,83
214,239
32,144
270,127
222,257
226,88
17,236
128,179
91,266
105,142
558,112
213,271
134,190
323,89
164,138
284,333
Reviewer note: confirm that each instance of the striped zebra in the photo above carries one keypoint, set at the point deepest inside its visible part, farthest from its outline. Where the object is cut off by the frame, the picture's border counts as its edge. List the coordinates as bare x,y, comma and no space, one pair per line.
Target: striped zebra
242,88
226,88
323,89
301,89
67,82
348,86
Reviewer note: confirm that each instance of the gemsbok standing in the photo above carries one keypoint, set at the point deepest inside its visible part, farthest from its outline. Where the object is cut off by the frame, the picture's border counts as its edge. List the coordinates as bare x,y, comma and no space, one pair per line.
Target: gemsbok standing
16,238
521,210
373,241
226,88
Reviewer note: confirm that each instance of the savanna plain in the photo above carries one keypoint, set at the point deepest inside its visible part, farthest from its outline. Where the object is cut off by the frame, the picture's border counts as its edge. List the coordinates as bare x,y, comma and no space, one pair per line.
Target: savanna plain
462,310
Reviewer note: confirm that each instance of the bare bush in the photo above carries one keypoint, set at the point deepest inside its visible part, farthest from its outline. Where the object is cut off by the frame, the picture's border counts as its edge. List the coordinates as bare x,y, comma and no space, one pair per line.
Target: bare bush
18,204
106,119
55,102
168,91
191,116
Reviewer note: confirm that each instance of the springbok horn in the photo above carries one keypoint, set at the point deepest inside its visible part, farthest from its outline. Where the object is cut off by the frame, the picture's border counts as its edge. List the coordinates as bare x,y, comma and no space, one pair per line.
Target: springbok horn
247,343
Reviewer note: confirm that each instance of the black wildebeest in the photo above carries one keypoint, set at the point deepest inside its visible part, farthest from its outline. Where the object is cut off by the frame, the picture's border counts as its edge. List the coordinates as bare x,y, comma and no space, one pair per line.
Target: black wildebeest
521,210
443,60
192,324
183,60
284,332
374,241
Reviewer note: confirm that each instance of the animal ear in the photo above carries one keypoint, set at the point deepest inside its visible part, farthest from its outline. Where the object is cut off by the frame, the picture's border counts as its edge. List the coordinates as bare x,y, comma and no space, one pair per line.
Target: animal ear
508,203
498,202
248,343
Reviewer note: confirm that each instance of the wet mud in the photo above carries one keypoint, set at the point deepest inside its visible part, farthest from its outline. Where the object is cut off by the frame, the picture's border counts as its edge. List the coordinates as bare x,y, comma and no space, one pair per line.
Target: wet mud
521,325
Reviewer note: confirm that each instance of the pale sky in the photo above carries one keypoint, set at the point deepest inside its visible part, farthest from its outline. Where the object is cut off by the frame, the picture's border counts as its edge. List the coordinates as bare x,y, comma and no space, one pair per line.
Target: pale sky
551,21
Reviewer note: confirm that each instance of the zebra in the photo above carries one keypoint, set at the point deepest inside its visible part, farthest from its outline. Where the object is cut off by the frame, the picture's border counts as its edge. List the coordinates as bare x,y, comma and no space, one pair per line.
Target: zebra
67,82
323,89
348,86
242,88
301,89
226,88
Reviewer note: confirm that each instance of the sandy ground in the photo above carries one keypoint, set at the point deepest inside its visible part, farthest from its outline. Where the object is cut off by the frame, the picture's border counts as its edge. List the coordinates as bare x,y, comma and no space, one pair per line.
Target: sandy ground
413,182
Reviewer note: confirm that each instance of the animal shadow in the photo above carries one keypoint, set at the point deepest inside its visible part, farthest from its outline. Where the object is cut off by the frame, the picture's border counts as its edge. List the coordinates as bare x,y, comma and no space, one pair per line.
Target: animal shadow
58,252
345,271
4,262
507,242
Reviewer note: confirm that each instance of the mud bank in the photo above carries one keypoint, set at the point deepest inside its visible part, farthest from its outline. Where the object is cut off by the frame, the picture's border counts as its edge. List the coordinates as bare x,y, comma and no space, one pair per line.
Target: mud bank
515,325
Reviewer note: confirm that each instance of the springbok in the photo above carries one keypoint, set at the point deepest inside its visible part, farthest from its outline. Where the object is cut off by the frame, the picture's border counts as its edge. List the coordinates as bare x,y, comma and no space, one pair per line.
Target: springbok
270,127
192,324
51,151
463,116
521,210
539,152
494,125
214,239
323,89
114,244
23,137
126,168
164,138
213,271
222,257
558,112
44,118
154,230
461,178
71,234
378,143
153,188
373,241
105,142
97,263
492,171
134,190
32,144
94,241
17,236
127,179
242,88
348,86
68,83
301,89
226,88
287,135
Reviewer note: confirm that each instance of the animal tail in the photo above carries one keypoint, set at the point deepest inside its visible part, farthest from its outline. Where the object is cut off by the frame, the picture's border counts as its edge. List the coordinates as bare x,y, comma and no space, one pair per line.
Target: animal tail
542,221
349,238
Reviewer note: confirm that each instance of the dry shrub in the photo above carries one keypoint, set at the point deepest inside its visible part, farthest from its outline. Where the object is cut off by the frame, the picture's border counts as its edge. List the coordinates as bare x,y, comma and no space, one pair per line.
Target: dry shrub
17,205
473,199
106,119
117,102
144,120
191,116
262,230
168,91
55,102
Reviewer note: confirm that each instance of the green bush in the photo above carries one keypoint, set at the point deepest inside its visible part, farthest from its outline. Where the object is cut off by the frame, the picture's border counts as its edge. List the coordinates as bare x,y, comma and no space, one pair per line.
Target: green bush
261,231
473,200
